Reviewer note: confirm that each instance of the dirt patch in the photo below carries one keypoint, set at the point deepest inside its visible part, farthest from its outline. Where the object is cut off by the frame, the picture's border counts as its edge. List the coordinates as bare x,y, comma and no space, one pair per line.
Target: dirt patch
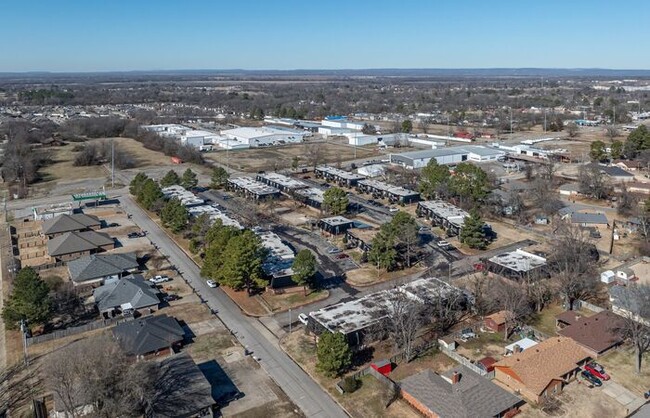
209,346
63,168
368,276
188,312
250,305
256,159
286,301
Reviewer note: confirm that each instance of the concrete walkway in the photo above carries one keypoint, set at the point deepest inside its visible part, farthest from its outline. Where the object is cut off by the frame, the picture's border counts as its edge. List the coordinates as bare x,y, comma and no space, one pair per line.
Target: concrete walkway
628,399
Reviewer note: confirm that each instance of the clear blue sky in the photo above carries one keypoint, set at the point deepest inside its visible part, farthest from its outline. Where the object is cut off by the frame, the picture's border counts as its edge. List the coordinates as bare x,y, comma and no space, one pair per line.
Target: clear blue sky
91,35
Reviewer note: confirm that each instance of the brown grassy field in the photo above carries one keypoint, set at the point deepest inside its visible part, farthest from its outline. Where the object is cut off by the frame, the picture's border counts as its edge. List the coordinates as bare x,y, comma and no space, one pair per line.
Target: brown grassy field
64,169
256,159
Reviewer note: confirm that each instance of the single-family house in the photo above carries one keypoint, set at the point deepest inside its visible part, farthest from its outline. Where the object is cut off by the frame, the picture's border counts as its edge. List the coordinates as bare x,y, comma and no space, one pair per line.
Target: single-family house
128,294
70,223
151,335
96,268
596,334
569,189
458,393
588,219
542,370
183,390
72,245
496,322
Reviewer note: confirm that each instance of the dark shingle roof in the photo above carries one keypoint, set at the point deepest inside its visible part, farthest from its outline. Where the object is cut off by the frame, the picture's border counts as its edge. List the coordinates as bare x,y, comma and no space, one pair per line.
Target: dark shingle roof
98,266
133,291
182,388
472,397
75,242
598,332
149,334
69,223
588,218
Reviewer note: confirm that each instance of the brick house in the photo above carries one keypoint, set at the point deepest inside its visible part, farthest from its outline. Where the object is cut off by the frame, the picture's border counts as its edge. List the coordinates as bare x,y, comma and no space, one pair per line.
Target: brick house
596,334
542,370
75,222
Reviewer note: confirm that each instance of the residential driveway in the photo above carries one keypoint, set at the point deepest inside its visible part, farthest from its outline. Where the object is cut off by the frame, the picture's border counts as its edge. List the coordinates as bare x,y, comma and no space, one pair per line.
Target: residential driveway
626,398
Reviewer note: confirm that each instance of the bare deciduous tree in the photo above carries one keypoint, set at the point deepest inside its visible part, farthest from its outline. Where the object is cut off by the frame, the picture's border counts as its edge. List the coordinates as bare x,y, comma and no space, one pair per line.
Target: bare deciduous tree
511,298
612,132
634,303
404,321
573,264
314,154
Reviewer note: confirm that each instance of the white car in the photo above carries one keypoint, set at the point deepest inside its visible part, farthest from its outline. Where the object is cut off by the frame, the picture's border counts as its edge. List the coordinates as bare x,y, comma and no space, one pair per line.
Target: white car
211,283
393,209
303,318
443,244
333,250
159,279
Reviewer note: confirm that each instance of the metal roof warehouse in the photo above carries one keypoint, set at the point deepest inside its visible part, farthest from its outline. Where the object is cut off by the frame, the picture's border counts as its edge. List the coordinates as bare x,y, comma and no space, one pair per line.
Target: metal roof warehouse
515,263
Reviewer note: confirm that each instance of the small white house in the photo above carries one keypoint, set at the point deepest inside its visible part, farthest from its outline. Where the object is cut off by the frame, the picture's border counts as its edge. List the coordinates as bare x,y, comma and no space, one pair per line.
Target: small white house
624,275
607,277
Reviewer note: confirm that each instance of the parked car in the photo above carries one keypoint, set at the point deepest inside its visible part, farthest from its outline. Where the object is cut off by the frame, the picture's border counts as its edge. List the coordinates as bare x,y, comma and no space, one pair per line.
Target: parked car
159,279
133,235
591,378
393,209
597,370
333,250
342,256
211,283
444,244
467,334
303,318
112,225
171,297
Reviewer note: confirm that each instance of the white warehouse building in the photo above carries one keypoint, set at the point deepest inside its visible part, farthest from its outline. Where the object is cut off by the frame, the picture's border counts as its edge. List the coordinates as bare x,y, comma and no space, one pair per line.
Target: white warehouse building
264,136
450,155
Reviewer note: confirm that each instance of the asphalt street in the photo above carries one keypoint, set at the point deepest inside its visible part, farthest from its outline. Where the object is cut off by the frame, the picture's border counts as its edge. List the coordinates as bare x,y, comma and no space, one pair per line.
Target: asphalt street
300,388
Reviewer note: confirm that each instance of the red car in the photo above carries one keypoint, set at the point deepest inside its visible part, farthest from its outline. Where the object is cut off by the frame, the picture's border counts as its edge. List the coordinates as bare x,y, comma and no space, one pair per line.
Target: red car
597,370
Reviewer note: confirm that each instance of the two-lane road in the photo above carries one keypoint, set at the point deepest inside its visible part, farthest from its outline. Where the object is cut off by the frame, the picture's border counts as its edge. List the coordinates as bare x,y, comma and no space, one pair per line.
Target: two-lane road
300,388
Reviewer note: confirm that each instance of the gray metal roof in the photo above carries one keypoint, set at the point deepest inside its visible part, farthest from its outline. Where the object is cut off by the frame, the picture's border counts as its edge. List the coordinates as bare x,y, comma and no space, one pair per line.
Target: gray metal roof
472,397
183,389
148,334
68,223
588,218
98,266
75,242
133,292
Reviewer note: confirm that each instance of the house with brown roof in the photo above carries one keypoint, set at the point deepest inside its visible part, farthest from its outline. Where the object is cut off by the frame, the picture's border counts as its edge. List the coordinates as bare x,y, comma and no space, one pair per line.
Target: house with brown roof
596,334
496,322
75,222
542,370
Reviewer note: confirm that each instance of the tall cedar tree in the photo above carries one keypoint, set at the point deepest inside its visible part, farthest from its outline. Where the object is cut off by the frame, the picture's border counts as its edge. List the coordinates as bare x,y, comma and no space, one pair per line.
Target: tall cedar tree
174,215
472,234
382,252
170,179
136,184
334,354
469,183
29,300
434,180
304,269
189,179
215,242
219,178
335,201
242,263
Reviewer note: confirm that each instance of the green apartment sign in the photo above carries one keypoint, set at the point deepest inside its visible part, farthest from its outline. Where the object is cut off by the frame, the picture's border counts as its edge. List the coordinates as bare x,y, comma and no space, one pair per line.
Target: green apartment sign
89,196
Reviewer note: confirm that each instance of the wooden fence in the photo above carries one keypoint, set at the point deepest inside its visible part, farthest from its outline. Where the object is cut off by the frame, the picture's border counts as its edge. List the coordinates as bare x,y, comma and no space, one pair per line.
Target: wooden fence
74,330
584,304
464,361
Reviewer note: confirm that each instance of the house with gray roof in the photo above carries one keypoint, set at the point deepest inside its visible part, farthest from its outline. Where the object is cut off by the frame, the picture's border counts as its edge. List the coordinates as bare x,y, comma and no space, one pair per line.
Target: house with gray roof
70,223
459,393
94,269
128,293
151,335
183,389
586,219
73,245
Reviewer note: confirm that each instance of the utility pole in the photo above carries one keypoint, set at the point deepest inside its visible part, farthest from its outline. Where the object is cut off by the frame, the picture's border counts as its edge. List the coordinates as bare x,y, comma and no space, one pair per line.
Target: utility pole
511,121
113,163
23,330
544,119
289,320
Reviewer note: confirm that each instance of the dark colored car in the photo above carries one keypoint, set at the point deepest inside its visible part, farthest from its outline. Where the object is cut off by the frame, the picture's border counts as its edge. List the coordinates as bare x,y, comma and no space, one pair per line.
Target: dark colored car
591,378
597,370
171,297
342,256
112,225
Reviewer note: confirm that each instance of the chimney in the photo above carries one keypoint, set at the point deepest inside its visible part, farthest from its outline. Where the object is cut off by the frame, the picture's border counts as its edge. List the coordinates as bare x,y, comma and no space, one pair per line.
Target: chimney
455,378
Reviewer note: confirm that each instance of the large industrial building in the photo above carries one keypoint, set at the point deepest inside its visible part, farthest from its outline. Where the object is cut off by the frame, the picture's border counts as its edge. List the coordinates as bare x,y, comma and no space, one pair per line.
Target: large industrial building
449,155
265,136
